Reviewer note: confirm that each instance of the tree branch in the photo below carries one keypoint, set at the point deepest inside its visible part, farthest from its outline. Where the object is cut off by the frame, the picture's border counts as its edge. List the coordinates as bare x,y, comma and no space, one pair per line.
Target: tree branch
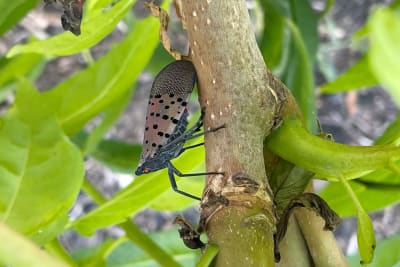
234,90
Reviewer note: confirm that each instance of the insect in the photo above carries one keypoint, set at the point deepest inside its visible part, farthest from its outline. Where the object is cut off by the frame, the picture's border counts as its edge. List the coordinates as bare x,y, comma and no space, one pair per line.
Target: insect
166,122
72,17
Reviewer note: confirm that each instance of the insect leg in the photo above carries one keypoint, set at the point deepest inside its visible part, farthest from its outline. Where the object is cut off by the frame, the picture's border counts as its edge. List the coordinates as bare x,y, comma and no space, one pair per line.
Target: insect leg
189,135
177,172
171,171
193,146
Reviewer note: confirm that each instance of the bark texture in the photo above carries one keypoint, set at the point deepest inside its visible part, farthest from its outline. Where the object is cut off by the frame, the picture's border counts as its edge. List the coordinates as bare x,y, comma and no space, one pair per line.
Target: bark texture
237,208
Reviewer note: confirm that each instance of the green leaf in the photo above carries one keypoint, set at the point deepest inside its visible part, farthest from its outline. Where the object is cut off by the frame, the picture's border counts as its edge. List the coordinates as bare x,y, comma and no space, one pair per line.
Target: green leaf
40,169
287,181
90,91
386,254
19,251
358,75
97,256
384,49
94,28
381,177
96,4
159,60
17,67
272,42
365,231
299,76
138,195
117,155
170,200
391,134
306,20
29,65
365,237
110,117
127,254
372,197
13,11
148,245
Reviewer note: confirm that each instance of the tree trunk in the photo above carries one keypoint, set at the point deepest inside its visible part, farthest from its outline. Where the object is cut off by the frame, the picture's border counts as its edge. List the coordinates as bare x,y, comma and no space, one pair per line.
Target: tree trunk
236,89
237,208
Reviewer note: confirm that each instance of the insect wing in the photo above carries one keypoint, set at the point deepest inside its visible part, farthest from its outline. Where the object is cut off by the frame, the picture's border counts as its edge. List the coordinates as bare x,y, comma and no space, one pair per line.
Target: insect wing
167,104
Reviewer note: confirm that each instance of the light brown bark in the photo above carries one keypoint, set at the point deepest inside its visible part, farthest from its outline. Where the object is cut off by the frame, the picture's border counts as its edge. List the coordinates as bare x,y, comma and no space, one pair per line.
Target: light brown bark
237,209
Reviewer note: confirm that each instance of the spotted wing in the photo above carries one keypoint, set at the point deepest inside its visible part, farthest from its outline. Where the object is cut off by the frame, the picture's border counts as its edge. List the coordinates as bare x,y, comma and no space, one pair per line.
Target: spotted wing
167,104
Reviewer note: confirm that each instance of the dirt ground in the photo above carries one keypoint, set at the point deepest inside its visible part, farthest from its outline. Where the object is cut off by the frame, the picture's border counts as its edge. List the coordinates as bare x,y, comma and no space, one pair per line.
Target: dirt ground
352,118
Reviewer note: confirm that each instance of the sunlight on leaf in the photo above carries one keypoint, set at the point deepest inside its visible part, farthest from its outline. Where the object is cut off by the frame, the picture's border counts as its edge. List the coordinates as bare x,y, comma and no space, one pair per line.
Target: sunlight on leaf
365,231
384,49
357,76
94,28
90,91
35,196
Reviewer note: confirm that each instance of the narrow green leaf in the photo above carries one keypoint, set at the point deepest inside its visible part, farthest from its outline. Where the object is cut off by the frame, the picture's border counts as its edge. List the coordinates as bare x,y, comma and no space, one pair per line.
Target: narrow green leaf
386,254
159,60
96,4
306,20
170,200
365,237
357,76
13,11
372,197
117,155
299,76
110,117
142,240
137,195
17,67
128,254
365,231
382,177
391,134
94,28
35,196
384,49
90,91
19,251
95,256
134,233
271,44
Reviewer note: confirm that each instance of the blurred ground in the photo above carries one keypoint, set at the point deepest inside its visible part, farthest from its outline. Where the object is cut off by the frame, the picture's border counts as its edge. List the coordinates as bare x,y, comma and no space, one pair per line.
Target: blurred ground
352,118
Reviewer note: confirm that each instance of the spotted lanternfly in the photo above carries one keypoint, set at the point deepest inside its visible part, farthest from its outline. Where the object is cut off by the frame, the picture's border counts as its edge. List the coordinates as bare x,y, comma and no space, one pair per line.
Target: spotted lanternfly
72,17
166,122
